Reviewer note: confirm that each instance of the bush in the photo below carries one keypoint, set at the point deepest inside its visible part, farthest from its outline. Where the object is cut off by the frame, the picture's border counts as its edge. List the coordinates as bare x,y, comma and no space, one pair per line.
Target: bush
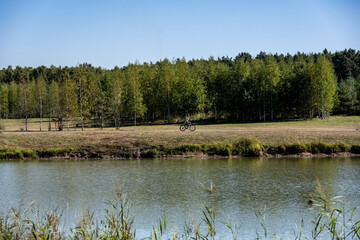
282,149
187,148
220,148
355,149
17,153
339,147
60,152
296,148
248,147
319,147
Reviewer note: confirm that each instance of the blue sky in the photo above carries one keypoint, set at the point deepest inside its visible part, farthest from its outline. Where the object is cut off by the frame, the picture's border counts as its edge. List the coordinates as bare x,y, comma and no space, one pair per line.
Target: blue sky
114,33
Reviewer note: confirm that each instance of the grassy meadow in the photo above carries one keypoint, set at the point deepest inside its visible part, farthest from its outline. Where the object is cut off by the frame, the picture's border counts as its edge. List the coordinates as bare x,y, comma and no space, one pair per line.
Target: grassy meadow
132,140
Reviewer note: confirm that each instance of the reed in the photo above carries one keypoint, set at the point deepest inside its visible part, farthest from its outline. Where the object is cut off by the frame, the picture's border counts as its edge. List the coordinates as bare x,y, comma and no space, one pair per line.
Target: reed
333,220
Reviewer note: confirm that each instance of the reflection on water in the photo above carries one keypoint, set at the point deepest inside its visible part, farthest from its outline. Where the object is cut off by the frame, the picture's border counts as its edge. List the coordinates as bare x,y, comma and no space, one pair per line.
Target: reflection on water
176,188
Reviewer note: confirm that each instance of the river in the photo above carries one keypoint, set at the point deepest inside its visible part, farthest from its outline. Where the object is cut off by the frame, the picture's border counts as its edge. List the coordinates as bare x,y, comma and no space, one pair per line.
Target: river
177,188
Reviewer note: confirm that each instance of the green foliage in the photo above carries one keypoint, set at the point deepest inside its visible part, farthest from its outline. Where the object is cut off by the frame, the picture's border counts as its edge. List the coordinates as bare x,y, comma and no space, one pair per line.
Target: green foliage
187,148
17,153
282,148
298,147
321,147
248,146
348,96
57,152
333,220
264,88
355,149
220,148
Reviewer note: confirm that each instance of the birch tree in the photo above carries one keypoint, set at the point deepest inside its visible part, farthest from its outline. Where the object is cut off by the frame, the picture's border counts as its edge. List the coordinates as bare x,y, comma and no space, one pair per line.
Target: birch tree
41,92
4,100
53,102
68,98
133,98
324,85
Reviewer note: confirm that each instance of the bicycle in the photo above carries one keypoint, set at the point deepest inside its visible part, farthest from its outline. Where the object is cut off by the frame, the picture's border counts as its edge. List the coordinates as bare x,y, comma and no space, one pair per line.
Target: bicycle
187,126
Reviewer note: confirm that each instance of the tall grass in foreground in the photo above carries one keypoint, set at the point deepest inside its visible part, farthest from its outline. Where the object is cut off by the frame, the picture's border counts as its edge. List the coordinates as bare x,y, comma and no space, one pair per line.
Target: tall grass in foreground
333,218
332,221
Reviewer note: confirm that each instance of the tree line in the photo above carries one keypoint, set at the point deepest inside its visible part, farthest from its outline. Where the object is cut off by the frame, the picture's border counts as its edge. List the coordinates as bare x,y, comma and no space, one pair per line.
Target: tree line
244,88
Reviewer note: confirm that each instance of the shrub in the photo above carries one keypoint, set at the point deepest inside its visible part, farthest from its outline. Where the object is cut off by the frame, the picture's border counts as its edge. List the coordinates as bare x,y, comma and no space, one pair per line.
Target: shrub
60,152
282,149
248,146
152,153
220,148
296,148
17,153
355,149
187,148
339,147
320,147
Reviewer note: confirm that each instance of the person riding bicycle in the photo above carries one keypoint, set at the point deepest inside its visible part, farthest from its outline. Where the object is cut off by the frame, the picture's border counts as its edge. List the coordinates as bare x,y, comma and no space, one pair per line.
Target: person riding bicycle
187,122
187,125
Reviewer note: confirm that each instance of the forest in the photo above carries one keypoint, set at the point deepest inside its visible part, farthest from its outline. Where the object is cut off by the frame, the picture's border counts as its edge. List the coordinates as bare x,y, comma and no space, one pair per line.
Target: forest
266,87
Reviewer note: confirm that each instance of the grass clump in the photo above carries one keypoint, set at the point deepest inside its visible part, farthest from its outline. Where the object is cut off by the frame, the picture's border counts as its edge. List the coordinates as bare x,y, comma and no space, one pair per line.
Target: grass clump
152,153
220,148
281,148
321,147
55,152
185,148
297,147
248,147
355,149
17,153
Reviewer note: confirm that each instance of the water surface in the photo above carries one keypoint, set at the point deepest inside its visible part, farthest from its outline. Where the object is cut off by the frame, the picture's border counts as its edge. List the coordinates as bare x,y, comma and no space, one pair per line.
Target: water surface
177,188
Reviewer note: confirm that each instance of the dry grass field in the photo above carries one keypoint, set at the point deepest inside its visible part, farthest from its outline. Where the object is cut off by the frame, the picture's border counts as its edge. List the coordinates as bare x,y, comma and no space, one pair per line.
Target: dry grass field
336,129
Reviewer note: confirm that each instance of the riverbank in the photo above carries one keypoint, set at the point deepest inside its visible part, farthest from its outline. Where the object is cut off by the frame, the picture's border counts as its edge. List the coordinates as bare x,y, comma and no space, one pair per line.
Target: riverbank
242,147
338,135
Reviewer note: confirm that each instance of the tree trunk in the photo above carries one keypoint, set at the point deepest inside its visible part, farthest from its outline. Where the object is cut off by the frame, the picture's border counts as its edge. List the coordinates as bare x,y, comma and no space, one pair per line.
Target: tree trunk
237,113
40,117
259,112
68,125
264,111
49,128
271,107
26,122
169,117
81,117
215,112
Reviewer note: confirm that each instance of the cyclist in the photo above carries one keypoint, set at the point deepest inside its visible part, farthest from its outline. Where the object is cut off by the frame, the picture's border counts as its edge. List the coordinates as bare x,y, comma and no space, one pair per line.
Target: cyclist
187,122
